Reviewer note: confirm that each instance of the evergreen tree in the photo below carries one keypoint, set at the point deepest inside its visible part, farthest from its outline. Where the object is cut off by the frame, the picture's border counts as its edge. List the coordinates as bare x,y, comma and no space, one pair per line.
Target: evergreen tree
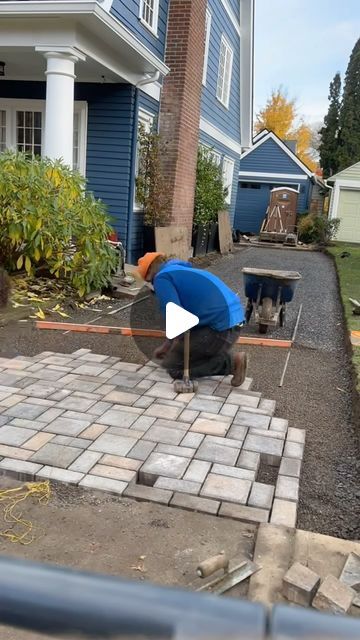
329,144
349,139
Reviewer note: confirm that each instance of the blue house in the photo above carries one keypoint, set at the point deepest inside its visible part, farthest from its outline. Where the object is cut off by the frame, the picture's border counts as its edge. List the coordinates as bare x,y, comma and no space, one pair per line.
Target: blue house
270,163
80,75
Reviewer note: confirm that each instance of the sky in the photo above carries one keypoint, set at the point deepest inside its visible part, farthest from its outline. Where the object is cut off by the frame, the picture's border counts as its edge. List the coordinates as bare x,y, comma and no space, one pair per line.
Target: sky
301,44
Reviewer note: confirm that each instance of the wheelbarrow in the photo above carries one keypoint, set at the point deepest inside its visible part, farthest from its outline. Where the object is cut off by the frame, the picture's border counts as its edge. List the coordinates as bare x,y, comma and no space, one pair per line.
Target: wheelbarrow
267,294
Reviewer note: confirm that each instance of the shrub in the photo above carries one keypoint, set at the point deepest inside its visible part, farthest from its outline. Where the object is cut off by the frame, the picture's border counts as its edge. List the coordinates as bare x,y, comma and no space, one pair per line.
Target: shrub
317,229
151,190
210,195
48,218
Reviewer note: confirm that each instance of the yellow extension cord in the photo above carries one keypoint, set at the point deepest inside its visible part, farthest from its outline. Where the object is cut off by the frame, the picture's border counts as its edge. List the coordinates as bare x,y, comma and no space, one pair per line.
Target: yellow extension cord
11,498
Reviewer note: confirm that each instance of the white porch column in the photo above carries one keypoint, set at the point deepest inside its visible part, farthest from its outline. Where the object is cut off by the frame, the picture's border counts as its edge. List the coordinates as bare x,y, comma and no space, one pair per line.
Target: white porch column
59,110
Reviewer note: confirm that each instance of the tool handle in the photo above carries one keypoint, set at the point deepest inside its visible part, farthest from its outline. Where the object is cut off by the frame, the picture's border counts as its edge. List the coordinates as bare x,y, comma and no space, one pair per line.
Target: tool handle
187,355
209,566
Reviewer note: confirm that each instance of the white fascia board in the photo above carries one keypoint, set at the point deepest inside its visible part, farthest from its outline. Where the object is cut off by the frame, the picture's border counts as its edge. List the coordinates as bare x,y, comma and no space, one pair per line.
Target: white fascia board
259,135
282,176
284,147
232,16
219,136
246,72
351,184
82,8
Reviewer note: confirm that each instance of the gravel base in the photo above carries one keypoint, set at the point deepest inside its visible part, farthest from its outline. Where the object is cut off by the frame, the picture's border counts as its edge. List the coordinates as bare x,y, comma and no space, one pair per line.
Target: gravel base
317,390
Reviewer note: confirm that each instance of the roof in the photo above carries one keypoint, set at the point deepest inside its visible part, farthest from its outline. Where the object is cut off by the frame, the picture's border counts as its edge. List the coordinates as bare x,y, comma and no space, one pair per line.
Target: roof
265,135
351,173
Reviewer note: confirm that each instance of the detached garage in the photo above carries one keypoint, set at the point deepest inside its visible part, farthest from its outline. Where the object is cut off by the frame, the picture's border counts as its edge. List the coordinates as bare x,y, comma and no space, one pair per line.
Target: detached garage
345,203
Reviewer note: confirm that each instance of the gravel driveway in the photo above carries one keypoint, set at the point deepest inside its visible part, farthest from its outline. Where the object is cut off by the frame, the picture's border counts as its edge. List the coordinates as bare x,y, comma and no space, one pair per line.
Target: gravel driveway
317,391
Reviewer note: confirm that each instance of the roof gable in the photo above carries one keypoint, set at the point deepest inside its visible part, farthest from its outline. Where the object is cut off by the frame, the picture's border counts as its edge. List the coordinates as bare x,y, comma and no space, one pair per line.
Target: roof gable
351,173
271,145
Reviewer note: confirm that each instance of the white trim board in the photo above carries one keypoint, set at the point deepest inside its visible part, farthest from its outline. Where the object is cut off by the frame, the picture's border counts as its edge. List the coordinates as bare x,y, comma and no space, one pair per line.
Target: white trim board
234,20
282,176
282,145
246,72
152,89
350,184
217,134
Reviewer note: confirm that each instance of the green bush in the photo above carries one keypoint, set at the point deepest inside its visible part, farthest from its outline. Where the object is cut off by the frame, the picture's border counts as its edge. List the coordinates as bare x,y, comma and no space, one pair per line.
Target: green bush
48,218
151,190
210,195
313,229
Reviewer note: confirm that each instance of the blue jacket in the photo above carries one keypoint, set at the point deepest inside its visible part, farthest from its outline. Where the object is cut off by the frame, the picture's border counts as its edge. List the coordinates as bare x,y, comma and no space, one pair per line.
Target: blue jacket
200,293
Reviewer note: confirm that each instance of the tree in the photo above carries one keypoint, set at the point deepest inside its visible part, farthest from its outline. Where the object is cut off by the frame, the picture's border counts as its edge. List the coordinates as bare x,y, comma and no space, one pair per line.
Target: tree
279,115
329,144
349,137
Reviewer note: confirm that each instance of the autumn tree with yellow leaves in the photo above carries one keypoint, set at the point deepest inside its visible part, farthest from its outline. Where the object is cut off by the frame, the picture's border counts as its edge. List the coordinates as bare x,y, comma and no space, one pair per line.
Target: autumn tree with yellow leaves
279,115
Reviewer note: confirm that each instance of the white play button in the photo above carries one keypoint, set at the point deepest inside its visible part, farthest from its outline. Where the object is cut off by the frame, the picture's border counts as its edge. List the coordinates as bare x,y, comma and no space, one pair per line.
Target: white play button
178,320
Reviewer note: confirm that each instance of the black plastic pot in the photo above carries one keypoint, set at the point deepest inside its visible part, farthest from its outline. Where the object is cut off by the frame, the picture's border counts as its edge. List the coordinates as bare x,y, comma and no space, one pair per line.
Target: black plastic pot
200,239
148,239
213,238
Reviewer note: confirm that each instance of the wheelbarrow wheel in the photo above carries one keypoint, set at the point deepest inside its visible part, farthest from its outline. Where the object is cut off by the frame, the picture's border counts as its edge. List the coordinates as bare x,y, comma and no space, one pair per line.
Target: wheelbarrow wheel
282,317
263,328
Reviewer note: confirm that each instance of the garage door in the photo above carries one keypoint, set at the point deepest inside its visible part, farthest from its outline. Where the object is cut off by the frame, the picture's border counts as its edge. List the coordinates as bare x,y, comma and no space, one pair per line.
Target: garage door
349,214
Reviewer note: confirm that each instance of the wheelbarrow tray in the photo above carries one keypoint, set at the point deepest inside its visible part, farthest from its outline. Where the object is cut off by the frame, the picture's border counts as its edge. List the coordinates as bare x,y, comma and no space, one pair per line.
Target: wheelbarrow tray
270,282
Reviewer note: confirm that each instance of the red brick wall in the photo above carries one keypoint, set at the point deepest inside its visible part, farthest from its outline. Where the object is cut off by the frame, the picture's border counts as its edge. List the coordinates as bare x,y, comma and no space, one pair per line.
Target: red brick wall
180,104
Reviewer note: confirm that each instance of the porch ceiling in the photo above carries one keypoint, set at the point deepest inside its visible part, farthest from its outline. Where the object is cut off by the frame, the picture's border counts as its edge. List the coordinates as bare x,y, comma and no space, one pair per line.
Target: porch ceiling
111,49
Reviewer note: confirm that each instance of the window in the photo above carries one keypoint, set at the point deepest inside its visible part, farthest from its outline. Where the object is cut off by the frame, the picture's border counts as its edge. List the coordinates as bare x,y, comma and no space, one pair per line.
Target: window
207,44
228,173
149,13
146,120
224,73
22,128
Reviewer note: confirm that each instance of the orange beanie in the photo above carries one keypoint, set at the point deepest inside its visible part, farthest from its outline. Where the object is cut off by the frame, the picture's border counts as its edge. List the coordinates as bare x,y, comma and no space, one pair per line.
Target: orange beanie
146,261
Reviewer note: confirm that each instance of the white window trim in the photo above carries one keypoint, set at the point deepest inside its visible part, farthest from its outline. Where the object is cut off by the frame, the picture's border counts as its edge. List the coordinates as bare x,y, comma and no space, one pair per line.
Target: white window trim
207,44
152,28
228,163
260,175
147,119
11,105
225,100
216,155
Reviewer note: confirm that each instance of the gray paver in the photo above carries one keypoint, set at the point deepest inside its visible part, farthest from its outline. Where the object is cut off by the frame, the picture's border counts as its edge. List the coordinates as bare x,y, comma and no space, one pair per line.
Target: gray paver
143,423
197,471
116,473
85,461
162,464
89,369
56,455
296,435
117,418
19,468
242,513
284,513
141,492
74,403
293,450
193,440
195,503
99,408
243,400
267,433
229,410
4,420
268,405
252,420
188,415
50,415
249,460
60,394
38,390
290,467
41,402
109,443
142,449
212,427
205,403
287,488
25,410
162,390
213,452
164,435
186,452
181,486
144,402
261,495
27,424
127,433
279,424
300,584
67,427
334,596
120,461
270,449
60,475
104,484
238,432
158,410
121,397
233,472
226,488
15,436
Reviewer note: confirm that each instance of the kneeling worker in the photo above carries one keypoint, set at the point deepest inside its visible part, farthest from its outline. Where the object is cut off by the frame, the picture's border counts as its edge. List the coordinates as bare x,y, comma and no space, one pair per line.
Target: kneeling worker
220,316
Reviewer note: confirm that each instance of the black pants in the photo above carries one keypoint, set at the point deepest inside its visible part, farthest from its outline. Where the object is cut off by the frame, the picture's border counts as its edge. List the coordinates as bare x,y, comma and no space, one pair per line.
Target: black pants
210,353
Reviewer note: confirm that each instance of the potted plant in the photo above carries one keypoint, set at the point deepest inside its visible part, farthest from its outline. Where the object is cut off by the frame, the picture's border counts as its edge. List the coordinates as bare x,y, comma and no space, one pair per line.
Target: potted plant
210,198
151,192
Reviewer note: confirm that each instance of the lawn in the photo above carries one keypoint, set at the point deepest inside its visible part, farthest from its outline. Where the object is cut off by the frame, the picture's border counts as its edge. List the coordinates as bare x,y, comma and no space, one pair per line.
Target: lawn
349,275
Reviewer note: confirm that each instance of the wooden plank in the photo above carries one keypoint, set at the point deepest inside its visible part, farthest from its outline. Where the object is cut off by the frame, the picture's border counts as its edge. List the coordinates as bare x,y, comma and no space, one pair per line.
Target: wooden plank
173,241
265,342
225,235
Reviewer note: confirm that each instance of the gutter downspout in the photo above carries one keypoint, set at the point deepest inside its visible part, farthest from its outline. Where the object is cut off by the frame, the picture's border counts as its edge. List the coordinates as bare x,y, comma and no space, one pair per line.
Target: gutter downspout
144,81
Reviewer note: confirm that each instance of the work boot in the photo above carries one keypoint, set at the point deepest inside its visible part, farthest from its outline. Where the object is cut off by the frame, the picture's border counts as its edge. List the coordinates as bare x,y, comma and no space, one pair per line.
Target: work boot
240,364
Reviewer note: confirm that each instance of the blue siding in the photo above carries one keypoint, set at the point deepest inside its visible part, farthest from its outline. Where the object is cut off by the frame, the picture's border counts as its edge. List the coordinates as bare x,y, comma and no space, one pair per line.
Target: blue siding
251,204
269,157
128,12
227,120
148,104
235,5
224,151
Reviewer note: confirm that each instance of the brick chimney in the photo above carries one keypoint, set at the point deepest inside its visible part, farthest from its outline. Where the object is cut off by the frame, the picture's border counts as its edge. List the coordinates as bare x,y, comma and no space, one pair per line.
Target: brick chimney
180,104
